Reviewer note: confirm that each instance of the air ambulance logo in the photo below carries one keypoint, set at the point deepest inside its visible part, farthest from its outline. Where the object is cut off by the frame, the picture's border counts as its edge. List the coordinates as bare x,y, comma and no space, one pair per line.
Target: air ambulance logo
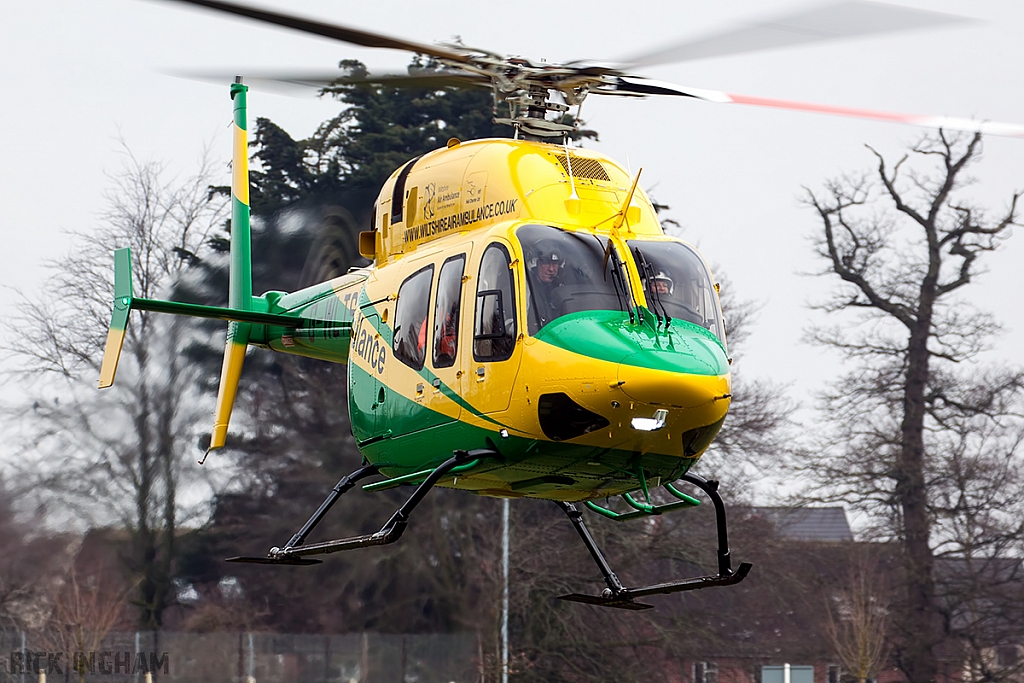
429,199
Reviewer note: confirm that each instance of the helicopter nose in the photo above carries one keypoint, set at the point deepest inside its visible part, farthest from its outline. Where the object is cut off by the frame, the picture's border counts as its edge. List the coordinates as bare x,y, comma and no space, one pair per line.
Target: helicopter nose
691,372
670,388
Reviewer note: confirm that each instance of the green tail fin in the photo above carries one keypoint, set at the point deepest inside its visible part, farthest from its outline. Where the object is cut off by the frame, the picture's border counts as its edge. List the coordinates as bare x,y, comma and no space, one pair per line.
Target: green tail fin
123,300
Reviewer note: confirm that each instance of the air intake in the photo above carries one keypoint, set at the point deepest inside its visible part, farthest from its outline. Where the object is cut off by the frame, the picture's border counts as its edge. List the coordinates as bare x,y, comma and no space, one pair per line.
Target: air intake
590,169
561,418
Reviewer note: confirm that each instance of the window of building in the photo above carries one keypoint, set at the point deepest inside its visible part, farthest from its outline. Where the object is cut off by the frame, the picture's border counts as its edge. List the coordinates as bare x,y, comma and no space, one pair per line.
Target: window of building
494,328
835,673
410,342
705,672
787,673
446,312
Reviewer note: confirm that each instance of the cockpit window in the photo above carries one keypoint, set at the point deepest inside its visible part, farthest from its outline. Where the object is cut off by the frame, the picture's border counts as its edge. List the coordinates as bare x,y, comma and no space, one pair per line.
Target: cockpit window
567,273
677,283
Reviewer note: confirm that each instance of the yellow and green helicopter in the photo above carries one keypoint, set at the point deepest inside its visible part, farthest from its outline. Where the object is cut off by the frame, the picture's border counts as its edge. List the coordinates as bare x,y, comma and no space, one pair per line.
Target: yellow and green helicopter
526,328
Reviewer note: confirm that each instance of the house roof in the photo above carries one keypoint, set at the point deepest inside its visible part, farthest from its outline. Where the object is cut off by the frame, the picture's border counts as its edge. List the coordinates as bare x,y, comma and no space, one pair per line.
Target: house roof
807,523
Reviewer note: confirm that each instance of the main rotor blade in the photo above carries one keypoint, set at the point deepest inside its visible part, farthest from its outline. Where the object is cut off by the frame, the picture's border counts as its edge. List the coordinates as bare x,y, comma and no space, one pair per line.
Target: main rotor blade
325,79
831,22
342,33
643,86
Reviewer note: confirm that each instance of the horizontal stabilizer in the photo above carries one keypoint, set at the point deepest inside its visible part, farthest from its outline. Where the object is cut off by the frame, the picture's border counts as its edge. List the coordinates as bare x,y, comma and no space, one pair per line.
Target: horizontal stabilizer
125,302
216,313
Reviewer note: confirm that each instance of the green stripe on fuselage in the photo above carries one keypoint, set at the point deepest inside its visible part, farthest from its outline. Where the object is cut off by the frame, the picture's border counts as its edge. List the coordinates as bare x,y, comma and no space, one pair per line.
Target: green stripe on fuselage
609,335
387,334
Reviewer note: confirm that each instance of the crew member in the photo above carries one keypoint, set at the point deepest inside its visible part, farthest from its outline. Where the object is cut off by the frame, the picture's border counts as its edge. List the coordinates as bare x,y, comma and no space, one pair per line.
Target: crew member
662,284
546,279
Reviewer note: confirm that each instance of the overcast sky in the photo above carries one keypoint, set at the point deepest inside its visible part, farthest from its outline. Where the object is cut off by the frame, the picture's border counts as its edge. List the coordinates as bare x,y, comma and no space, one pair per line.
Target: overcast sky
77,77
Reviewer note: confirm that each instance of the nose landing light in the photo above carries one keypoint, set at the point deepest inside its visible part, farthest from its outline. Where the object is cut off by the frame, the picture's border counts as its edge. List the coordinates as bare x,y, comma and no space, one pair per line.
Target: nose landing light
650,424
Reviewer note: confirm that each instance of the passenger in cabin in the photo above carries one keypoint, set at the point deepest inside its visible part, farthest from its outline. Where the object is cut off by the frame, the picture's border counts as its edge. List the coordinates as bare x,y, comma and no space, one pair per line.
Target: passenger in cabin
421,339
446,336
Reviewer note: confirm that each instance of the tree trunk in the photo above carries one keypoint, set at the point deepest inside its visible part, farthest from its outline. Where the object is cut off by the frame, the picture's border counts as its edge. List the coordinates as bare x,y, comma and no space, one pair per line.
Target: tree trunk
911,495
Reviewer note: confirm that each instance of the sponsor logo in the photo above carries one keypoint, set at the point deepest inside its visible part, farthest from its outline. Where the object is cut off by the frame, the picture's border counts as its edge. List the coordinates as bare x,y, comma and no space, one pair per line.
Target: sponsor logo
474,192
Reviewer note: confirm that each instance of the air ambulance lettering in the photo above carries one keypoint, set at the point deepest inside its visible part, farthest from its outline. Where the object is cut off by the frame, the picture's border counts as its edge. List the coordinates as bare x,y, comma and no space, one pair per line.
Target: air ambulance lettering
447,198
461,219
369,346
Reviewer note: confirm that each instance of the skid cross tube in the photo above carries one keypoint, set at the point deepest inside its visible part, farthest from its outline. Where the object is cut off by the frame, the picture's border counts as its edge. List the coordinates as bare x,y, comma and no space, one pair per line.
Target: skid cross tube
295,553
616,595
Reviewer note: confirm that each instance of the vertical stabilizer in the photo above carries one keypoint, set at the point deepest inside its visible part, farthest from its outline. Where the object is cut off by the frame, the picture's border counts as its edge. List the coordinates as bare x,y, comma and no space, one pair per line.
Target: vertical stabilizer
123,299
240,287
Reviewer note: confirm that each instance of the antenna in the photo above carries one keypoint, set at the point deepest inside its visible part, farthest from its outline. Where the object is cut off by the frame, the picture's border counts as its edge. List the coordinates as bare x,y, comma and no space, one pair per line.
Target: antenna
568,165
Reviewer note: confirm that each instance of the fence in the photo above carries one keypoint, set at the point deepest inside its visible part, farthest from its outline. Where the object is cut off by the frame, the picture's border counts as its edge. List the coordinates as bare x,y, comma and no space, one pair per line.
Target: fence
248,658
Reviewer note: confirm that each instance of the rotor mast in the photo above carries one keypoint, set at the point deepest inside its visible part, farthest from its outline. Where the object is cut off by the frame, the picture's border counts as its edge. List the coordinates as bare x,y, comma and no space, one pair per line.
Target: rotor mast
528,114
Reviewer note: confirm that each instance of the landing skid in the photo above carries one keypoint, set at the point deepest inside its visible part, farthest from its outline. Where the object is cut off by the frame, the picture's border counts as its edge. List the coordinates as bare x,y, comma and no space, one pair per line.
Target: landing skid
295,552
618,596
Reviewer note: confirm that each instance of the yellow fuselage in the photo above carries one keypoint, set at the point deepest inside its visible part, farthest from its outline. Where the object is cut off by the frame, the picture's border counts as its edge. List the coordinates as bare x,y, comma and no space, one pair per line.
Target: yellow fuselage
558,402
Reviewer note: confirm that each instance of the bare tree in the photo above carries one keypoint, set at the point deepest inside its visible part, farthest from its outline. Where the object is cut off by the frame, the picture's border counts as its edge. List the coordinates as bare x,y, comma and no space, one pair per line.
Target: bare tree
117,456
858,619
920,437
83,610
757,426
28,560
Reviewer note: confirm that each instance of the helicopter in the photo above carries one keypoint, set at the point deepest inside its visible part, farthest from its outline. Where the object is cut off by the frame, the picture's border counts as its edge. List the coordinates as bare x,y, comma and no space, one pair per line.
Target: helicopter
526,328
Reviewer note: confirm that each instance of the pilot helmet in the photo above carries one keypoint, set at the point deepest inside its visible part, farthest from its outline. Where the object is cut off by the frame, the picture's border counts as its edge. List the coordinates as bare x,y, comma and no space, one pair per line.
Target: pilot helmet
548,251
662,276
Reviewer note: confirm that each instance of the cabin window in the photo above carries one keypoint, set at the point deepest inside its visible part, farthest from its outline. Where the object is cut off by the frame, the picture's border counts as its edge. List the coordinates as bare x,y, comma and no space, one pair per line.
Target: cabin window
494,328
446,312
569,273
410,342
677,283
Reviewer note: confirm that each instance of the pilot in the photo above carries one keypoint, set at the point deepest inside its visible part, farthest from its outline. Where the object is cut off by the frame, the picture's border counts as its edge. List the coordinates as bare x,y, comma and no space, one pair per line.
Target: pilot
547,277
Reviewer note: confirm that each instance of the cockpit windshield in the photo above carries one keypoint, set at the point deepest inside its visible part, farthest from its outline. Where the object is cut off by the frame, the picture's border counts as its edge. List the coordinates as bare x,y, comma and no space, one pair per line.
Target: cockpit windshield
567,273
677,283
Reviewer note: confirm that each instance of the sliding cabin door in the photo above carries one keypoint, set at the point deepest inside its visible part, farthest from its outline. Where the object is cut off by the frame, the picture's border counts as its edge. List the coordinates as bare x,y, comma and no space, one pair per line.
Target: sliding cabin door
444,375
